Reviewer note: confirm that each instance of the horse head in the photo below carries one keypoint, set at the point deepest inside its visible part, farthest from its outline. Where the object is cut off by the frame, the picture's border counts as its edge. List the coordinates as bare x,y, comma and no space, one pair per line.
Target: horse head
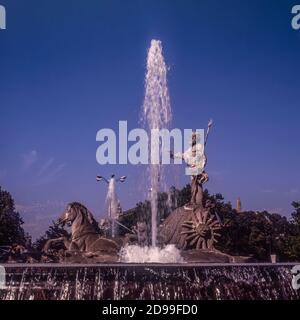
74,211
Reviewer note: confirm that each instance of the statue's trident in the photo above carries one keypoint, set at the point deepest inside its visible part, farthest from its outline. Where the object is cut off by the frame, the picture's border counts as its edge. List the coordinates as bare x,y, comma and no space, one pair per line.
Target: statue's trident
210,123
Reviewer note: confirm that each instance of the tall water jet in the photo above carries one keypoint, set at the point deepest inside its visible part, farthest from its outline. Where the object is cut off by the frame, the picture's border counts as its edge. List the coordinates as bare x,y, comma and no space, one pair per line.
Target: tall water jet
112,203
156,114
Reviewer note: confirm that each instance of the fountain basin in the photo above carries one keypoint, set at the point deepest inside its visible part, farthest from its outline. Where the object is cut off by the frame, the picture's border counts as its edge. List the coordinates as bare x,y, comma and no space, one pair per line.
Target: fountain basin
149,281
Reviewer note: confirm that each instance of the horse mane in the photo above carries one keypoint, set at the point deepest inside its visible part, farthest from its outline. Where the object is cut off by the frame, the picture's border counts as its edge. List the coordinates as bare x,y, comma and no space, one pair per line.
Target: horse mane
77,206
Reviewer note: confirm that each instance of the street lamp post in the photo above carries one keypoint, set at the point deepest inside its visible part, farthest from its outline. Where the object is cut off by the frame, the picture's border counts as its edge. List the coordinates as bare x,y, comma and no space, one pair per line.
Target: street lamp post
112,199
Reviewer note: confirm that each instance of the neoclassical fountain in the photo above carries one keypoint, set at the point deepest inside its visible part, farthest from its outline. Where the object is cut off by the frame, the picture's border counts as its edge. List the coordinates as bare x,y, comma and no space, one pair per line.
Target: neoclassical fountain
180,263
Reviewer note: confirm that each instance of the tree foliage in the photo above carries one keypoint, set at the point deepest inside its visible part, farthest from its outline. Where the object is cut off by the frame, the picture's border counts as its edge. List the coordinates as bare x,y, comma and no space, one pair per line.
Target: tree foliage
11,230
54,231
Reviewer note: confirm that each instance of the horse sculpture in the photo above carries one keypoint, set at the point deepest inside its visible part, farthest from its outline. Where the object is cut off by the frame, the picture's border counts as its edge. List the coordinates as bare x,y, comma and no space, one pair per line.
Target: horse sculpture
85,237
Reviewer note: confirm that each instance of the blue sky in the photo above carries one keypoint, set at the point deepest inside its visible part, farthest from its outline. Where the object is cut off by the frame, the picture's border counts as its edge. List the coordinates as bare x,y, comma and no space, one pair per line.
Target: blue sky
70,68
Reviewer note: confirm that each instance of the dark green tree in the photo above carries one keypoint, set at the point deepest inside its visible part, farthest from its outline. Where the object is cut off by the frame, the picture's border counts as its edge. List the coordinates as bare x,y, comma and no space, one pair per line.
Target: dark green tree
11,230
54,231
292,241
296,213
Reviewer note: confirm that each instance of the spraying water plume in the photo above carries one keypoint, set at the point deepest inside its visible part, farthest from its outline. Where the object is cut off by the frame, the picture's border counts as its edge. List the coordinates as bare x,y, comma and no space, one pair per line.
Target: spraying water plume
112,203
156,114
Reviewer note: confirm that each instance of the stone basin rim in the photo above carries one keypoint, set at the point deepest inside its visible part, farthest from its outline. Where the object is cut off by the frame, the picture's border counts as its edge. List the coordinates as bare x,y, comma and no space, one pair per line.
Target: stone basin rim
143,265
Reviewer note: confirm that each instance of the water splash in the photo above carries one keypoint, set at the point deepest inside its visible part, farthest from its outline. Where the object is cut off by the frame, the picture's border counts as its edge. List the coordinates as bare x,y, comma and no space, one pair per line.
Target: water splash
112,203
137,254
156,114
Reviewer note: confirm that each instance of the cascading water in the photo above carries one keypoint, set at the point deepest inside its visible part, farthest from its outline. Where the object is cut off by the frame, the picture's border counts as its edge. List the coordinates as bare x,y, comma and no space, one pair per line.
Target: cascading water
156,114
112,203
149,281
